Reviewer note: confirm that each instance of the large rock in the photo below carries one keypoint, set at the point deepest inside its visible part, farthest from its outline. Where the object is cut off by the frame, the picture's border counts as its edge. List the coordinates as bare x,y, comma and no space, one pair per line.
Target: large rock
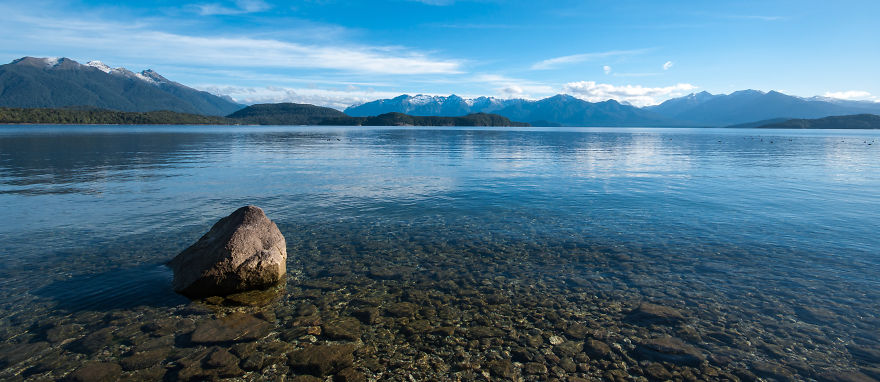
243,251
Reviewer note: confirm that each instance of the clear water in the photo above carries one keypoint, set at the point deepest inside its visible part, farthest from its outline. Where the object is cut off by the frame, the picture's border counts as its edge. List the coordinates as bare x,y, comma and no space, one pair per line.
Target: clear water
760,224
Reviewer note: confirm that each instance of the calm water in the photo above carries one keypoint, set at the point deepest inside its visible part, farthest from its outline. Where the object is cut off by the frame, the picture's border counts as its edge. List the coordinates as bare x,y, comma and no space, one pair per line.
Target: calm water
762,234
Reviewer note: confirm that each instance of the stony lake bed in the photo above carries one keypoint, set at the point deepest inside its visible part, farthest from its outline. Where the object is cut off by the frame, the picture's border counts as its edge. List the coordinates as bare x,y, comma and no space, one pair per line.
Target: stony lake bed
449,254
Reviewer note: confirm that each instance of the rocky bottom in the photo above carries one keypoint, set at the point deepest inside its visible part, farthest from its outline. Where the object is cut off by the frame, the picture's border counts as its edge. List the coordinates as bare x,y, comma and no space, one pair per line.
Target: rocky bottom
371,310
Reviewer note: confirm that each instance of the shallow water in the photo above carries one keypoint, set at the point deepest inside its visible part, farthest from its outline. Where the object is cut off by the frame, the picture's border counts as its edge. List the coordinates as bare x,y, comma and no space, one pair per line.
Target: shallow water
762,241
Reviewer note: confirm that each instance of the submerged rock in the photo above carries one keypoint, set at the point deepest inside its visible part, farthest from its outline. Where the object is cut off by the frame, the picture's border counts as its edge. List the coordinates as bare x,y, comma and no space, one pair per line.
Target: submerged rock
344,328
243,251
501,368
669,349
145,359
648,313
93,342
236,327
597,349
96,371
322,359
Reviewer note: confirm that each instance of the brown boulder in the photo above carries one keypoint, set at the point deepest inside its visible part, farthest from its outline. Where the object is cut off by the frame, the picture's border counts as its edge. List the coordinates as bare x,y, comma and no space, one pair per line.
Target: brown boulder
241,252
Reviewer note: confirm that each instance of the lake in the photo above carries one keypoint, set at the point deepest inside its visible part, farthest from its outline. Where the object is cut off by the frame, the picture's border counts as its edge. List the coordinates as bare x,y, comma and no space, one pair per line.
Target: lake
447,253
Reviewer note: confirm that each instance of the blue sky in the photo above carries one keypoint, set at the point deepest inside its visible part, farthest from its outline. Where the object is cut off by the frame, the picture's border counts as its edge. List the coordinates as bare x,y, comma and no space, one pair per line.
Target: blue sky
338,53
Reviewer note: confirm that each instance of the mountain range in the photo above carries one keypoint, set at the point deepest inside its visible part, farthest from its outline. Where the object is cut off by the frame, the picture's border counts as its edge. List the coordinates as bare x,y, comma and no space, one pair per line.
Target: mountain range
697,109
752,105
31,82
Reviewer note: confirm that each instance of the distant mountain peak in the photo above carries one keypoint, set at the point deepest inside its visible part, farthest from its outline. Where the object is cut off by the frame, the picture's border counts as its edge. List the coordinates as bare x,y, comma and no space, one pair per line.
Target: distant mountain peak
154,77
149,76
421,99
100,66
560,109
62,82
747,92
747,106
43,62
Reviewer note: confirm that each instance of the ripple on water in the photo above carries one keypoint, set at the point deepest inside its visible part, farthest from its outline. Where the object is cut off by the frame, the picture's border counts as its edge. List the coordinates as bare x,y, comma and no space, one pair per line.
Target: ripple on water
446,254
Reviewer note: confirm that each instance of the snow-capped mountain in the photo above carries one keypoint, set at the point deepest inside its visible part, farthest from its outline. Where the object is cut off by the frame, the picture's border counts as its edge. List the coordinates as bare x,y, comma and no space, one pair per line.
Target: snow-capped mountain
696,109
424,105
746,106
148,76
62,82
556,110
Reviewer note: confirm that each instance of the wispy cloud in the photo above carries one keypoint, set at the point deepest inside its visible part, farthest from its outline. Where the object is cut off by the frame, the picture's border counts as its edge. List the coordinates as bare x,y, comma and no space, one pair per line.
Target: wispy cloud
236,8
606,69
512,91
341,95
556,62
852,95
478,26
738,16
635,94
668,65
435,2
254,52
145,43
754,17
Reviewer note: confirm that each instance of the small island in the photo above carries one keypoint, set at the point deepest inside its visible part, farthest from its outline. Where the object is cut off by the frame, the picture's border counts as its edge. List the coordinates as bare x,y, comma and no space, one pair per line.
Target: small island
858,121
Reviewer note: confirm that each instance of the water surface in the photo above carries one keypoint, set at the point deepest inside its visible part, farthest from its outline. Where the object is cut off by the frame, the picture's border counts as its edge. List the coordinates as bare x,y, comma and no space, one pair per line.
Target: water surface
764,240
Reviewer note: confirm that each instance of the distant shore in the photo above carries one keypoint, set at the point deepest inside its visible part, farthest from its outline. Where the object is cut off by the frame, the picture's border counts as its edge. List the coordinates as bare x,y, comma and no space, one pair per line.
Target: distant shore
274,114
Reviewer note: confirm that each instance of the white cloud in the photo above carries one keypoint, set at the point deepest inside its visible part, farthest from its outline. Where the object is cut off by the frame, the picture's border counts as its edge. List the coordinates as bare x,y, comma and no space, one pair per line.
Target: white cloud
239,7
253,52
606,69
635,94
852,95
667,65
108,40
553,63
511,91
335,98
